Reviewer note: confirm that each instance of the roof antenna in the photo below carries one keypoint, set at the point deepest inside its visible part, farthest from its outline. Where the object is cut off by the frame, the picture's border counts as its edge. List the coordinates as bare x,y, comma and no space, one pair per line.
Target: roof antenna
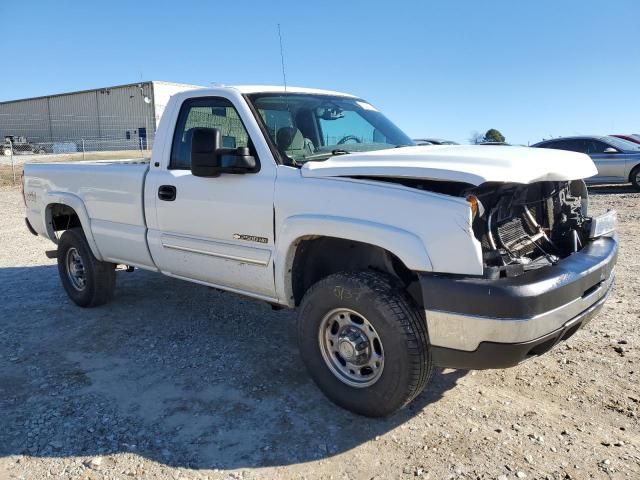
284,75
285,159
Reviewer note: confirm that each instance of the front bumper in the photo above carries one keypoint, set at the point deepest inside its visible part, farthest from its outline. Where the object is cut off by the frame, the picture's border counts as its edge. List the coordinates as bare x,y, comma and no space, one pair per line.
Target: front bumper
477,323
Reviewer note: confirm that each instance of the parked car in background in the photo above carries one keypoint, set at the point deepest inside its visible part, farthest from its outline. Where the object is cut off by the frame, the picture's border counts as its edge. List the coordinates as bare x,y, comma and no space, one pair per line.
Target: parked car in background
617,160
632,137
433,141
19,145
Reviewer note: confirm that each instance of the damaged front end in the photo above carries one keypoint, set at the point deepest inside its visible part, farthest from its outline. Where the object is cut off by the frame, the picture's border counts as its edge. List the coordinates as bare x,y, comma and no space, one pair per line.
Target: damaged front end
518,309
525,227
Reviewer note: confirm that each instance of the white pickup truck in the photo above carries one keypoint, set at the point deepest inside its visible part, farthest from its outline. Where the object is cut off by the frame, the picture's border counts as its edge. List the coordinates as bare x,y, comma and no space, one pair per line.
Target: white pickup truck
399,257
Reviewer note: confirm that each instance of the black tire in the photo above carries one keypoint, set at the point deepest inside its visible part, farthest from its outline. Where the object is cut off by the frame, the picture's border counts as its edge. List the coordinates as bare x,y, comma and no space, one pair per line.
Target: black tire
635,177
99,278
402,331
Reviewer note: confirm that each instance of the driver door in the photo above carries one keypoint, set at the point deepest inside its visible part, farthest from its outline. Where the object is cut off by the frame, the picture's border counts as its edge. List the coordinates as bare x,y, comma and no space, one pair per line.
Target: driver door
611,166
219,230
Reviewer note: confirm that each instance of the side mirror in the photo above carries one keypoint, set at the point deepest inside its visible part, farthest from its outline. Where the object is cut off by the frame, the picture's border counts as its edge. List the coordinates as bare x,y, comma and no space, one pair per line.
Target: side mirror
209,160
237,160
610,150
205,143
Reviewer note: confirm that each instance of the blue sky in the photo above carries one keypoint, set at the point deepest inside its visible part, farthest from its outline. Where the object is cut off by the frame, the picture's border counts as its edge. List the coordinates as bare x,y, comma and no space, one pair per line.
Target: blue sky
531,69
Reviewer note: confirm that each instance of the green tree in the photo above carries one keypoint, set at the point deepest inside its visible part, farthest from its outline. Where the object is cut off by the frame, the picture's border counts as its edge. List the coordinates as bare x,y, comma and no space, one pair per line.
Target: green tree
493,135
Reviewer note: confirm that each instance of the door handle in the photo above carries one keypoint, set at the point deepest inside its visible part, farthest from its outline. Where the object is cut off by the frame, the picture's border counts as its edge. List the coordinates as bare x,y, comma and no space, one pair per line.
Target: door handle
167,193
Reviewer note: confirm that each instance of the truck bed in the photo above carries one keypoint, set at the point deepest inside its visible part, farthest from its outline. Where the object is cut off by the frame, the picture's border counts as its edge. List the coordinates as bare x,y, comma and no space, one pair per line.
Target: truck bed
112,193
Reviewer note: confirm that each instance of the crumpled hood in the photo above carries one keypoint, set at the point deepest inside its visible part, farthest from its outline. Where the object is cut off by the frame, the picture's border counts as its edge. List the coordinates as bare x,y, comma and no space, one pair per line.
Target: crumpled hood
474,164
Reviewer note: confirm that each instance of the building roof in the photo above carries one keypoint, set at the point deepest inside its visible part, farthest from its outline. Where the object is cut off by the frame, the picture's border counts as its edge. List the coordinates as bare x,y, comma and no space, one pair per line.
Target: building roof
241,88
161,82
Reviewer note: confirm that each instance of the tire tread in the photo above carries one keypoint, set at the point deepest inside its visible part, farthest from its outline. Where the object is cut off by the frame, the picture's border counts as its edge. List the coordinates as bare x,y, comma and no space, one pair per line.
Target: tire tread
102,274
390,293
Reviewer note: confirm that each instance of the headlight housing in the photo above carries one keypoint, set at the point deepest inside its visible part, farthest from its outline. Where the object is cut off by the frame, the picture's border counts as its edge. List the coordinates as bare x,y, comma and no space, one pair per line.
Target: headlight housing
603,224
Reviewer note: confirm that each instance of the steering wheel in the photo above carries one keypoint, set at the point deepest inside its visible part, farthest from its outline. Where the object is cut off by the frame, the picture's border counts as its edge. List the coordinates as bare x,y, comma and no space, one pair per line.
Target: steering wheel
348,138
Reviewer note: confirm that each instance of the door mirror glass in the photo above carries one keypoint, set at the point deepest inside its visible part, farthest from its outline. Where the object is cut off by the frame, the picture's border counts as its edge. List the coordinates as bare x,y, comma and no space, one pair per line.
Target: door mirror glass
610,150
205,143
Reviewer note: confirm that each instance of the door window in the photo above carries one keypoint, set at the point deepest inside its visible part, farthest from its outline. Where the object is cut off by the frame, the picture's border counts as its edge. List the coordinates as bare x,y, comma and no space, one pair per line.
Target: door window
572,145
596,146
211,112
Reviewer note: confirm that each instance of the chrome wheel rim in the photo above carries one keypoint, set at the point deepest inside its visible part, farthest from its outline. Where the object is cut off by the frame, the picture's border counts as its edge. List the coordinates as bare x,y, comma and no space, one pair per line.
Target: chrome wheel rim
351,347
75,269
638,177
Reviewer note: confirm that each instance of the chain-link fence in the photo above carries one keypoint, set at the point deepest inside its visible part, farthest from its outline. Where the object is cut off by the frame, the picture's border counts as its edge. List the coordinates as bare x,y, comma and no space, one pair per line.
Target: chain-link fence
102,124
15,152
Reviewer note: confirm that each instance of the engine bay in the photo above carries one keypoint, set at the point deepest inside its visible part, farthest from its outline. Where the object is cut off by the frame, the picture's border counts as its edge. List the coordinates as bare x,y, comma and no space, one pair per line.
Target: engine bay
524,227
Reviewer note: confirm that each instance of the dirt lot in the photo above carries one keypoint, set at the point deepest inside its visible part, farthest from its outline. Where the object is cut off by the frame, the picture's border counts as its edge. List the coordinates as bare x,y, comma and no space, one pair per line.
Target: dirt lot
174,380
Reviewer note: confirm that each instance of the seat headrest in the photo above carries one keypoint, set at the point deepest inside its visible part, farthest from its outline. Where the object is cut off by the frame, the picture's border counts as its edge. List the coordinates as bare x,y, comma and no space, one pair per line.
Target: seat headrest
289,138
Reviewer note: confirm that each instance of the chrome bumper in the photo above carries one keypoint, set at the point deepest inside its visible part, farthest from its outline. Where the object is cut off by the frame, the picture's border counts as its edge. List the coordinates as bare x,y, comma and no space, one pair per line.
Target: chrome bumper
466,332
495,323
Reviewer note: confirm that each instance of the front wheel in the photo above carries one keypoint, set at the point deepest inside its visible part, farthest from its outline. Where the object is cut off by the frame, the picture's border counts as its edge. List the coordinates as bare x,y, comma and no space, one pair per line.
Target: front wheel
635,178
88,281
364,342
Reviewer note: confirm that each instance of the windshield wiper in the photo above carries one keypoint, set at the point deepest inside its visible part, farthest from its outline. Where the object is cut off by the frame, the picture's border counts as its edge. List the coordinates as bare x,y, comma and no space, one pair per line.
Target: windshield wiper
325,155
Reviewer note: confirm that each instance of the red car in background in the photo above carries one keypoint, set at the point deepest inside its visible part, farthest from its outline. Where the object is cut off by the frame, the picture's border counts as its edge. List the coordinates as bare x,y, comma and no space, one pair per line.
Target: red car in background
632,137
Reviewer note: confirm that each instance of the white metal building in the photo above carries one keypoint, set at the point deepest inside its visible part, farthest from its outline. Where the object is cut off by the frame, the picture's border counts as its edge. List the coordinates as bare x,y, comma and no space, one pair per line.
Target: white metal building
112,118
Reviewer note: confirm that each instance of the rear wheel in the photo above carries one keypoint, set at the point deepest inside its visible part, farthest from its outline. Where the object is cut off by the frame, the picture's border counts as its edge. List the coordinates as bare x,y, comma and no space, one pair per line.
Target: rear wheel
7,152
364,342
635,177
88,281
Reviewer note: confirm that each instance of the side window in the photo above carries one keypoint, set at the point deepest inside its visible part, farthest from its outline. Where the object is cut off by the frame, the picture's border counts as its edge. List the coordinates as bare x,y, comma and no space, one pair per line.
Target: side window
211,112
596,146
573,145
578,145
558,145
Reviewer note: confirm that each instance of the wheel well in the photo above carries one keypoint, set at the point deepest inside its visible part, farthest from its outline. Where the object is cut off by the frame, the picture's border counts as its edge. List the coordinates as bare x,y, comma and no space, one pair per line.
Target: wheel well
62,217
319,257
633,171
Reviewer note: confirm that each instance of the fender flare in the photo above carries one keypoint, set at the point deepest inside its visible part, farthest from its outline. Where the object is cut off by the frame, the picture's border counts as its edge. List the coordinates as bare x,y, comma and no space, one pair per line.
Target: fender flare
78,206
407,246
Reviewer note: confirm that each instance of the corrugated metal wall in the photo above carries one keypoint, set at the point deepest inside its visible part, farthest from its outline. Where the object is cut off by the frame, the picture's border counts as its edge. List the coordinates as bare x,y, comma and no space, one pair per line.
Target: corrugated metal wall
106,119
26,117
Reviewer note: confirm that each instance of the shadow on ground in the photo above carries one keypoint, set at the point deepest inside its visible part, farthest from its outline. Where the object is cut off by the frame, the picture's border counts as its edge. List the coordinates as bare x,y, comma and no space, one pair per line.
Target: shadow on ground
611,189
176,372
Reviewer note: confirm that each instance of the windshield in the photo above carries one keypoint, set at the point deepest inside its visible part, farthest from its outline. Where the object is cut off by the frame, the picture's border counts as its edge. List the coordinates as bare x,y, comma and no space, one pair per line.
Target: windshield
624,145
306,127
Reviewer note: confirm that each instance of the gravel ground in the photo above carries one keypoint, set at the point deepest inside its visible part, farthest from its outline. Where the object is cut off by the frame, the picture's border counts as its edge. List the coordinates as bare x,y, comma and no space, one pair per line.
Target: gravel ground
176,380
